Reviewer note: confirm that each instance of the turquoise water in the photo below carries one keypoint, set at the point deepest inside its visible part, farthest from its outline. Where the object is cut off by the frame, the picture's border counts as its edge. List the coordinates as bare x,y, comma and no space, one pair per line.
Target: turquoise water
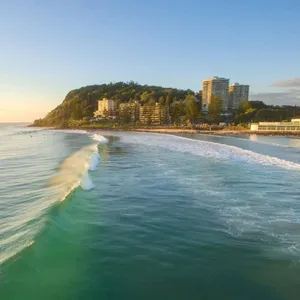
152,217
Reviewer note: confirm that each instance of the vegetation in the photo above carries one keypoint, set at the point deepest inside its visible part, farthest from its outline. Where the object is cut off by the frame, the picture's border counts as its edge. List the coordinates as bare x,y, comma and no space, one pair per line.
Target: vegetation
257,111
81,103
214,108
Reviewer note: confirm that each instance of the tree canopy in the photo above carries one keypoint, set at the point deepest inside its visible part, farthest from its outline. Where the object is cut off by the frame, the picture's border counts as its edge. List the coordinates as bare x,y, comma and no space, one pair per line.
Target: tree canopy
81,103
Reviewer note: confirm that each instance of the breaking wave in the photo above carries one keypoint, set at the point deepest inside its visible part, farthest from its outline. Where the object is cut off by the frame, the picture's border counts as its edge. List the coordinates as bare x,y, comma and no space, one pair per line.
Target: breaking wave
74,171
18,233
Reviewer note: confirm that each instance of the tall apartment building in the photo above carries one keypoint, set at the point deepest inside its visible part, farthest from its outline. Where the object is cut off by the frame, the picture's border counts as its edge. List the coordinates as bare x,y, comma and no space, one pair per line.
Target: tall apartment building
216,86
237,93
105,106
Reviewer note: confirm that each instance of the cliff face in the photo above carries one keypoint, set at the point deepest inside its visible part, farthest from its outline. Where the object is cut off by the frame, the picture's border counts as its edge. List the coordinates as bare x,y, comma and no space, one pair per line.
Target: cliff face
81,103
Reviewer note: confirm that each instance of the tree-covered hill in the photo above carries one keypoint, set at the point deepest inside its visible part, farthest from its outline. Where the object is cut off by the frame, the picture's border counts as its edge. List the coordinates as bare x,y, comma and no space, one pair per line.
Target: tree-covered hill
81,103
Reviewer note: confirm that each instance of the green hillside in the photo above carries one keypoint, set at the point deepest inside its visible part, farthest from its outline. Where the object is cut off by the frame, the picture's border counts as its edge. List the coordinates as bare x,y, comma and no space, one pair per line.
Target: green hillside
81,103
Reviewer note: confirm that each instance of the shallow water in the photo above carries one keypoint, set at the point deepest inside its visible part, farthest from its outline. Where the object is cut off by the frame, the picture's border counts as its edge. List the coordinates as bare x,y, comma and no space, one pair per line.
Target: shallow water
149,216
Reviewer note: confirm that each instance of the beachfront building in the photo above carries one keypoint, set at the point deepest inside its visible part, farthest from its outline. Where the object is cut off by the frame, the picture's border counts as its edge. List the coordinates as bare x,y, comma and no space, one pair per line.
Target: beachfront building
106,108
294,125
216,86
237,93
154,114
129,112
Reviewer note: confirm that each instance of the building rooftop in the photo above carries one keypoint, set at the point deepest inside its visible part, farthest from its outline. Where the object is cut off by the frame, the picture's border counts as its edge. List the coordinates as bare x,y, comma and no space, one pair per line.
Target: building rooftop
216,78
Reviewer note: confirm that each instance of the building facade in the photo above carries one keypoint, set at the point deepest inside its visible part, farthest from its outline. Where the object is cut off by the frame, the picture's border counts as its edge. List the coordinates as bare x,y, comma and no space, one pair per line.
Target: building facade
106,108
154,114
129,112
216,86
294,125
237,94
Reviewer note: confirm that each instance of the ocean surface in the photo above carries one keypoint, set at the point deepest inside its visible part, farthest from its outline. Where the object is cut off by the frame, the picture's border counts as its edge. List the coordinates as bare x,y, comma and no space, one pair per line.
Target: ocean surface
119,215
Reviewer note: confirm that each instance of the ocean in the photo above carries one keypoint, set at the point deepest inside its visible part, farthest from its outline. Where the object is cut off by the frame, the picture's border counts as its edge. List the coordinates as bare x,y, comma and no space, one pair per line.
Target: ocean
124,215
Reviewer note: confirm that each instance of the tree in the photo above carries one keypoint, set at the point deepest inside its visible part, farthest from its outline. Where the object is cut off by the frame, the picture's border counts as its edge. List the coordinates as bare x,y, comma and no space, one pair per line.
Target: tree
214,108
191,108
244,106
162,100
150,108
105,114
125,115
177,112
76,113
270,115
168,100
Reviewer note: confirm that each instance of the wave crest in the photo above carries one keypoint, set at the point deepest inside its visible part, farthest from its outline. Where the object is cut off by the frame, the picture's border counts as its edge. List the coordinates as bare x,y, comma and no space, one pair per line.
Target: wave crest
99,138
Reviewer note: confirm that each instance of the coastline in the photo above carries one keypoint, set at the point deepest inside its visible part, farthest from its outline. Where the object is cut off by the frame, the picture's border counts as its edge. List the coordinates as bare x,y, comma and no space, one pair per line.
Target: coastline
181,130
221,132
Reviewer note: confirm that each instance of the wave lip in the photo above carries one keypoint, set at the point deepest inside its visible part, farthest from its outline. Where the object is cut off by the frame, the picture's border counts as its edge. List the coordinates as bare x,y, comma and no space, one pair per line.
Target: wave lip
99,138
73,171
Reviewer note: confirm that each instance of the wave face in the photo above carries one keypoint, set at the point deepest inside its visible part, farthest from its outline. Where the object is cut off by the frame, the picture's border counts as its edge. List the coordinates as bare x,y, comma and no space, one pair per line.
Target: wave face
74,171
31,183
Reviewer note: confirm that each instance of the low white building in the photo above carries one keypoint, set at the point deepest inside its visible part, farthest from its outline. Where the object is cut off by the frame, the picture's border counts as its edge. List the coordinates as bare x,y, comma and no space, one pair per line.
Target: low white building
294,125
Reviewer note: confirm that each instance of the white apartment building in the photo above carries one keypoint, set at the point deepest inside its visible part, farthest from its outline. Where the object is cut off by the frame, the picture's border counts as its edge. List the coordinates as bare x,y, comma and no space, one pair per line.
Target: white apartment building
105,106
216,86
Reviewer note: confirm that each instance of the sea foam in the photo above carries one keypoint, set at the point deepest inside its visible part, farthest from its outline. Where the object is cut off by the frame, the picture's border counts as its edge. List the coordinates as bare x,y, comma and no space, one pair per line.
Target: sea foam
210,150
86,182
94,161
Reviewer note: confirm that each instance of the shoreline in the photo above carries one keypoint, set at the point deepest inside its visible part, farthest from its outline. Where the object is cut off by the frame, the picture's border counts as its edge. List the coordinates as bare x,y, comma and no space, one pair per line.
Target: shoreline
222,132
184,130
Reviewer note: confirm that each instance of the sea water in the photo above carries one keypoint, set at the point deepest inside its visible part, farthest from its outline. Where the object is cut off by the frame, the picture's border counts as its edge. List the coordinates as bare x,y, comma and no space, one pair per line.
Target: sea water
117,215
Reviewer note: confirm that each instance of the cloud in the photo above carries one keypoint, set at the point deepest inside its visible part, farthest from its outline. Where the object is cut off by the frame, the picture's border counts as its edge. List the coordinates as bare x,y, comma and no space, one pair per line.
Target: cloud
289,94
287,97
294,82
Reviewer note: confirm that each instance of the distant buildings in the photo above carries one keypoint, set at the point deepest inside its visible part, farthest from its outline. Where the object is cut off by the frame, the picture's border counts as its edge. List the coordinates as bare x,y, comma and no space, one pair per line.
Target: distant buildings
146,114
106,108
216,86
129,111
230,95
294,125
237,94
154,114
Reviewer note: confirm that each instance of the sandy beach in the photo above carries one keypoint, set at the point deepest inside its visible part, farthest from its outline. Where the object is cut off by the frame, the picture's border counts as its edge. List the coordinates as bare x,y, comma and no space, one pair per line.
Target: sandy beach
219,132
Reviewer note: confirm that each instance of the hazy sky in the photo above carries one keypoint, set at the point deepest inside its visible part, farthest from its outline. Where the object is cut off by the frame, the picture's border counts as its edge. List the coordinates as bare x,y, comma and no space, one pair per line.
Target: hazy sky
51,47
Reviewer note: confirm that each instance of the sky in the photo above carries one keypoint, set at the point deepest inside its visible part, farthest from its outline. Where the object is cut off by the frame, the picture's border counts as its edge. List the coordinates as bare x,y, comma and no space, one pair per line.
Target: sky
51,47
